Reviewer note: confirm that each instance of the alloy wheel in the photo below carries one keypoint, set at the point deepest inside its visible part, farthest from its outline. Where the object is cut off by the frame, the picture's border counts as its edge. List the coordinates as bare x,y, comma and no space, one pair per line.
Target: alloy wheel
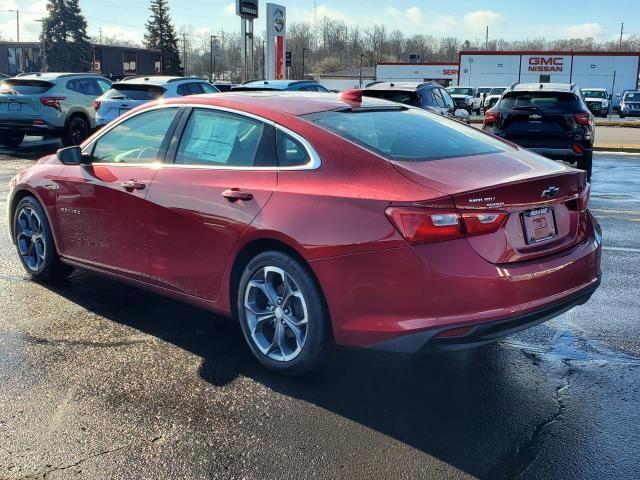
30,239
79,131
276,314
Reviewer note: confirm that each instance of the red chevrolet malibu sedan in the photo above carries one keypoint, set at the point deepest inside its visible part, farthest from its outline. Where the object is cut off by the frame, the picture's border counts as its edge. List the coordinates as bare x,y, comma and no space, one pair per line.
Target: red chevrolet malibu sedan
317,219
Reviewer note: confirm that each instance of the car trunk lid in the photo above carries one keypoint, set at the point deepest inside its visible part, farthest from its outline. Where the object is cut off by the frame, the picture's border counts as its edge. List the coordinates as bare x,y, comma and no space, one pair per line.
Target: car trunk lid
539,195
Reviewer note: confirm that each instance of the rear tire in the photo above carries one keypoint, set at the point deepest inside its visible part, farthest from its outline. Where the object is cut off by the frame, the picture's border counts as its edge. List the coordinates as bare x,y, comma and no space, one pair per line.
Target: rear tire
282,314
11,140
34,242
586,164
76,131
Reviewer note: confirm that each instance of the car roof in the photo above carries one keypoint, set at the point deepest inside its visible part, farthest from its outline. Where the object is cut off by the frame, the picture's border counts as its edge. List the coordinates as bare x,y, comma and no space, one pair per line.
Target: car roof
292,103
157,79
275,84
401,86
48,76
543,87
594,89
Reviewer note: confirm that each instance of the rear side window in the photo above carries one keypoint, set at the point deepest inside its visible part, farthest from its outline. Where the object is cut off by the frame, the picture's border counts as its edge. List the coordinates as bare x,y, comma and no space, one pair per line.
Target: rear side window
192,88
409,134
25,87
225,140
209,88
85,86
123,91
549,102
291,153
408,98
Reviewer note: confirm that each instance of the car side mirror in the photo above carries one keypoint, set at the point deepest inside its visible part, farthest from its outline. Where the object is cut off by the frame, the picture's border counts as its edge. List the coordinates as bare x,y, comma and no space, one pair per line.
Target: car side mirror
71,156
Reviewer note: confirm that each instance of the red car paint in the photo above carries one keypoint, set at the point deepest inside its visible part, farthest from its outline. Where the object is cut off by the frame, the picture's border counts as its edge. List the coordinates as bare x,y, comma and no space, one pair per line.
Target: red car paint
180,237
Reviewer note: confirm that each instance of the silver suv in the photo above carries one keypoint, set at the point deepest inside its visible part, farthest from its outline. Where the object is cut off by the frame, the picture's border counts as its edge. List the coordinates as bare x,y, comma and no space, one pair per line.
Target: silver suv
58,105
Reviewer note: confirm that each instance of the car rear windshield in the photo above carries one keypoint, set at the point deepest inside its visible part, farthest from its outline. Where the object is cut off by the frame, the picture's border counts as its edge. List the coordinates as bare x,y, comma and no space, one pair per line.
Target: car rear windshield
460,91
549,102
594,93
399,96
497,91
25,87
407,134
632,97
134,92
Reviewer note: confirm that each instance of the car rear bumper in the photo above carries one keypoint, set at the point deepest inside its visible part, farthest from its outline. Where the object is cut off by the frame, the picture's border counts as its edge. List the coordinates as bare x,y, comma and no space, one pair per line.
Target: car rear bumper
28,127
379,298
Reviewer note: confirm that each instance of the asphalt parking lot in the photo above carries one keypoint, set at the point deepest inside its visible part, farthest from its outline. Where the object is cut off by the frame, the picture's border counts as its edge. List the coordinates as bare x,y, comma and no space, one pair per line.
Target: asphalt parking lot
104,381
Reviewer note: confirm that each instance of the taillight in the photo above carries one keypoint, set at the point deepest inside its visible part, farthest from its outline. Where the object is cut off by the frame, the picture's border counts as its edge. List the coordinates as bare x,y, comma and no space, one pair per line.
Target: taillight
96,104
583,118
51,101
583,199
425,225
436,225
491,117
483,222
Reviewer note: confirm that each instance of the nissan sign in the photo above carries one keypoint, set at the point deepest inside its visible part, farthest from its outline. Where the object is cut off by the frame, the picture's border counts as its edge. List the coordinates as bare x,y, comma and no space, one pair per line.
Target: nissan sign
247,9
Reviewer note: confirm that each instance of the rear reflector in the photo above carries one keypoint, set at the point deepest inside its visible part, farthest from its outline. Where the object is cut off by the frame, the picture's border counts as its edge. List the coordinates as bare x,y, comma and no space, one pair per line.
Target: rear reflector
418,225
577,149
455,332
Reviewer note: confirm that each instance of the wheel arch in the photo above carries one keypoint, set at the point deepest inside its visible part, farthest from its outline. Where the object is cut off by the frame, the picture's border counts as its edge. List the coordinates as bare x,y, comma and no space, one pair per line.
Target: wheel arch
78,113
17,196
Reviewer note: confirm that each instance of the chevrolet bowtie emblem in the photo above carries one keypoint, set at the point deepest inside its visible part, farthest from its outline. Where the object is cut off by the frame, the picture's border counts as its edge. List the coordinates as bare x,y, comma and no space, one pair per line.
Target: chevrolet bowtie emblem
550,192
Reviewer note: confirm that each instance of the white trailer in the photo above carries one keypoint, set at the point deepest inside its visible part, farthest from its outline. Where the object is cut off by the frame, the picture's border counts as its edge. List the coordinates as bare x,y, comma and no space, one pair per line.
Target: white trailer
444,73
586,69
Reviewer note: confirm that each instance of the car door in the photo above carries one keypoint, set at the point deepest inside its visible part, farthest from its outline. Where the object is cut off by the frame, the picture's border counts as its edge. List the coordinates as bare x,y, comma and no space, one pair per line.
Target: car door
224,174
101,209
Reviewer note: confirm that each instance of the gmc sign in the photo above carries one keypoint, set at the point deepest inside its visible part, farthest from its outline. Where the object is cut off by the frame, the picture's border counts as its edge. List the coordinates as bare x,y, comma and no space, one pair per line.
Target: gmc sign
546,64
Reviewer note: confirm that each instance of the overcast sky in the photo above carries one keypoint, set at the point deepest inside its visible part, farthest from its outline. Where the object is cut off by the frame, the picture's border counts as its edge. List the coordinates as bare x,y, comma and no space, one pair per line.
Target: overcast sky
509,19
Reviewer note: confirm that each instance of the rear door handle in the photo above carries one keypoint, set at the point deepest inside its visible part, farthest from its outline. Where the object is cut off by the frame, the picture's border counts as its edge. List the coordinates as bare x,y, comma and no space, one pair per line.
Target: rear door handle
132,185
234,194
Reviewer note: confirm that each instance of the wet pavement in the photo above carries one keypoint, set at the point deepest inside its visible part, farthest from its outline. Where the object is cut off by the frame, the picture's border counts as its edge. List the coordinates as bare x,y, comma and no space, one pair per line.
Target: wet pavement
104,381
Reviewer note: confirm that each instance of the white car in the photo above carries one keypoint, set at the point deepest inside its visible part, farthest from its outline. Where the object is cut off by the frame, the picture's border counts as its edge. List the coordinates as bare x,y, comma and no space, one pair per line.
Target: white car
466,98
134,91
597,99
492,97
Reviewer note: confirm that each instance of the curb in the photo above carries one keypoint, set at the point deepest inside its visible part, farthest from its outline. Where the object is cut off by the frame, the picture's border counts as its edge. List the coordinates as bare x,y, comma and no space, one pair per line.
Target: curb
617,148
599,123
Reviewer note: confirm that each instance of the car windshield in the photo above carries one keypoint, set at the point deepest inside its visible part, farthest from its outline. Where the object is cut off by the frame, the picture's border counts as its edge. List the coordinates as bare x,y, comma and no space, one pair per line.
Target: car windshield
632,97
407,134
124,91
399,96
497,91
460,91
594,94
548,102
484,89
25,87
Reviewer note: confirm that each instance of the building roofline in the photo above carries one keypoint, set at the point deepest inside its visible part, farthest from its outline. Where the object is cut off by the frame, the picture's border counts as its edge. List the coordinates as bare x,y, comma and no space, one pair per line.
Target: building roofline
421,63
549,52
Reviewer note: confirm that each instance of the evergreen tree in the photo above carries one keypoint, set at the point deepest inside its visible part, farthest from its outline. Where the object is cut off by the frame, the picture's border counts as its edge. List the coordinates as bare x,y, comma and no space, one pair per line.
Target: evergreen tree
64,32
162,36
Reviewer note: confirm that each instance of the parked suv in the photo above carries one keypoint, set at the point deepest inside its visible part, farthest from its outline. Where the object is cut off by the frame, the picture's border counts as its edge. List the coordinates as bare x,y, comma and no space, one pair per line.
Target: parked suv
597,100
492,97
281,85
549,118
134,91
430,96
49,105
630,103
467,98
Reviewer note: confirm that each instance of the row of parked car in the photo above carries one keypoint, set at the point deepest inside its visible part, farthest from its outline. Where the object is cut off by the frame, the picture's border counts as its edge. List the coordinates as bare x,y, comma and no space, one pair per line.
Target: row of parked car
69,106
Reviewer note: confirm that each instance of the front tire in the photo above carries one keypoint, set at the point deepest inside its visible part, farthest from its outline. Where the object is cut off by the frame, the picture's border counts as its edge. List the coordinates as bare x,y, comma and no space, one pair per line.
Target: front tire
586,164
282,314
34,242
11,140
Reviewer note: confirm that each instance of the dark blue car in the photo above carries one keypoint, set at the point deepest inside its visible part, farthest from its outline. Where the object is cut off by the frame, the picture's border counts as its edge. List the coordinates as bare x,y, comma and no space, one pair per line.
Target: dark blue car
281,85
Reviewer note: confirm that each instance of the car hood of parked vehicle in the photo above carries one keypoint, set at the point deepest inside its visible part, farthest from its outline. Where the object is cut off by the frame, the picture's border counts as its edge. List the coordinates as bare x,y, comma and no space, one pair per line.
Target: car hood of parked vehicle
596,99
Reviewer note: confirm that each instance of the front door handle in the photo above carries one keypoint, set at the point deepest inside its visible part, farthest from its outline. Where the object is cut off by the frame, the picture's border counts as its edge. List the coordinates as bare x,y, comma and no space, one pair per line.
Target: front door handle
132,185
234,194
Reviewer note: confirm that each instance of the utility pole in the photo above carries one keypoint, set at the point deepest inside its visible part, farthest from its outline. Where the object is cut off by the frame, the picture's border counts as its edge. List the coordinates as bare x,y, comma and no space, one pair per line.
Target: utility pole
621,31
212,59
18,24
184,54
486,41
305,49
43,46
100,35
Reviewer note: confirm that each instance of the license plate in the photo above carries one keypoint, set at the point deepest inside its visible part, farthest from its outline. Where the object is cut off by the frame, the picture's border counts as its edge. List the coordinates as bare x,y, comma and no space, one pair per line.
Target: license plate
539,225
15,107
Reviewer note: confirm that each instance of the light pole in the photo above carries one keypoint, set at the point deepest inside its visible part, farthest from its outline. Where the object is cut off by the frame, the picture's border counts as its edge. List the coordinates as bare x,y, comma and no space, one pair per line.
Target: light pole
43,53
361,58
305,49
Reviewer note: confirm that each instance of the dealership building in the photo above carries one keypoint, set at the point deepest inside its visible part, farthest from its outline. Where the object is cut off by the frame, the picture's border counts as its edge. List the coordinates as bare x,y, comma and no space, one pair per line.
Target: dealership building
443,73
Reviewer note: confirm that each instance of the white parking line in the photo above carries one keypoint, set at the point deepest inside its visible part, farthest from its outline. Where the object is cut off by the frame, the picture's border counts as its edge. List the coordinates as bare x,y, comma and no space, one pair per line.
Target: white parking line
622,249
